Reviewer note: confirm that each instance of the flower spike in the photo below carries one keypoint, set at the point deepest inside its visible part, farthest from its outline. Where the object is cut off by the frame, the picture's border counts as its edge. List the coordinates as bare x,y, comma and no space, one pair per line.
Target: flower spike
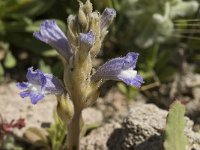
40,84
121,69
51,34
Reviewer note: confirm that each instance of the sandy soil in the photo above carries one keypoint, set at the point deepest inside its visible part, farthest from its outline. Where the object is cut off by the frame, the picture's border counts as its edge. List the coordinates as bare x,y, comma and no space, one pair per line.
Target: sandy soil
12,106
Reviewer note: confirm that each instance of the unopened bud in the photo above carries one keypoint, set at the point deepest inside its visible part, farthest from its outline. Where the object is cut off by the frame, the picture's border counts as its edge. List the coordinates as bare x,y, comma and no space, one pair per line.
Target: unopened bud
107,17
72,31
82,19
65,108
88,7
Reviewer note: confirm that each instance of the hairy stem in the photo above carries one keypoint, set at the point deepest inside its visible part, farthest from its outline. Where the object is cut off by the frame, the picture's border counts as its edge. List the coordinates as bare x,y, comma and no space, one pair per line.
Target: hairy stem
74,129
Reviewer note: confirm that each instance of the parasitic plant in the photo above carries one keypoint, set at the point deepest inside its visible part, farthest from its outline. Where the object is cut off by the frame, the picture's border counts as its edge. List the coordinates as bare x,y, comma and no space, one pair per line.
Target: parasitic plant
81,82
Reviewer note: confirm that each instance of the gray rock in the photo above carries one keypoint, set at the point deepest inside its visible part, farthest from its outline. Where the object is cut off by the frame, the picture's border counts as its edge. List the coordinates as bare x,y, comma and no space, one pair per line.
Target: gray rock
92,116
142,129
97,140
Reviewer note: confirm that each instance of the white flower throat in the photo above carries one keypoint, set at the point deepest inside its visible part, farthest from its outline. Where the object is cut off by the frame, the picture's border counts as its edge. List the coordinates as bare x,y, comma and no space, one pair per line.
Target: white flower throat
130,73
34,87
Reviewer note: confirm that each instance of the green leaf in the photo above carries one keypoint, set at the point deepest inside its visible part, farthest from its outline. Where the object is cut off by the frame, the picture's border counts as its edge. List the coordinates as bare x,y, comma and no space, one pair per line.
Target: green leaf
1,70
1,73
20,34
88,128
122,87
128,91
175,138
152,57
20,8
163,59
50,53
57,133
132,91
10,60
167,73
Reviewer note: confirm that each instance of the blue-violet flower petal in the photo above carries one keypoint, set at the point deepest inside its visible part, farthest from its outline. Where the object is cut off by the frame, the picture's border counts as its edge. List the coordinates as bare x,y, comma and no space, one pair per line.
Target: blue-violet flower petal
107,17
121,69
51,34
39,84
87,38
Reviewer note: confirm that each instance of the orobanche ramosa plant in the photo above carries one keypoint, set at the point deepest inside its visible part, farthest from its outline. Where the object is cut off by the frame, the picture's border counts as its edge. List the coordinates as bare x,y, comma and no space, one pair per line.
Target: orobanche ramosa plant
81,82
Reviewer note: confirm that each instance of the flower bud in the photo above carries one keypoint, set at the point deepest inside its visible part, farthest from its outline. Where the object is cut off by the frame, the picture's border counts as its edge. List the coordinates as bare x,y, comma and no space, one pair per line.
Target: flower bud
72,31
107,17
82,19
88,7
65,108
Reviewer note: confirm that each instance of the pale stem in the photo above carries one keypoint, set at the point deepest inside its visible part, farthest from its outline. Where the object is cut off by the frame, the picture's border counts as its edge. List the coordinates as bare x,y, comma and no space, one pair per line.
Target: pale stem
74,129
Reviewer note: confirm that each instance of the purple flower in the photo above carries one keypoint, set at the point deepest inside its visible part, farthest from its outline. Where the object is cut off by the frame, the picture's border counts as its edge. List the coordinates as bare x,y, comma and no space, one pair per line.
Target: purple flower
51,34
107,17
39,84
87,38
121,69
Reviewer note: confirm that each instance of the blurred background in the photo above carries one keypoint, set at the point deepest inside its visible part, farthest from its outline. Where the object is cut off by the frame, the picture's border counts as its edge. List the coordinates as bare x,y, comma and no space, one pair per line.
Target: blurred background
166,33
